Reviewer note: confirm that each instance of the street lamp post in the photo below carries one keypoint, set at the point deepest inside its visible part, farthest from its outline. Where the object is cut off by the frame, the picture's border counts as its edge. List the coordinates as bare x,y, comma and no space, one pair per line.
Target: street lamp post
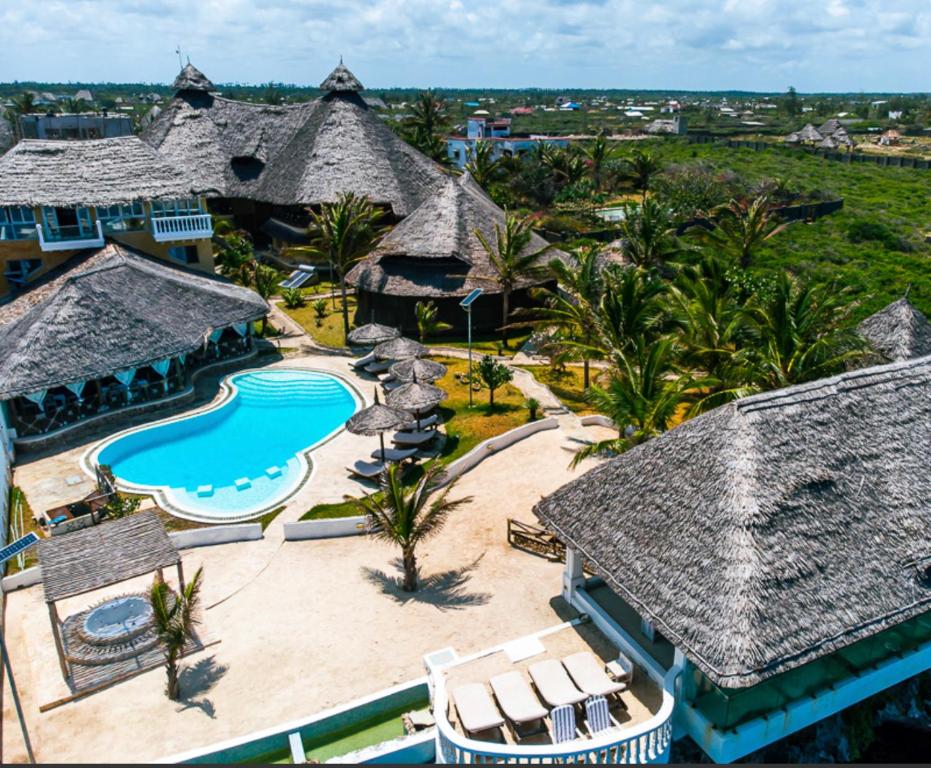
466,304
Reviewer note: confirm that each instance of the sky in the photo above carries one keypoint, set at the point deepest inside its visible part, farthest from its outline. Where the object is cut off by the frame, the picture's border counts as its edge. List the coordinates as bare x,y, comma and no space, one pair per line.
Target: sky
761,45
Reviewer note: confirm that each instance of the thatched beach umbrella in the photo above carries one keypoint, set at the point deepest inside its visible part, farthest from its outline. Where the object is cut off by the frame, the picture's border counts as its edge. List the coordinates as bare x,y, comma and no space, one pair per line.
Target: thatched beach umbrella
400,348
376,420
418,369
417,397
371,334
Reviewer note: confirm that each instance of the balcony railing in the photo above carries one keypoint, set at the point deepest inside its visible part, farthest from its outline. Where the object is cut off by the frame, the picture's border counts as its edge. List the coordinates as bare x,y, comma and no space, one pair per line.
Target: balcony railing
170,228
70,238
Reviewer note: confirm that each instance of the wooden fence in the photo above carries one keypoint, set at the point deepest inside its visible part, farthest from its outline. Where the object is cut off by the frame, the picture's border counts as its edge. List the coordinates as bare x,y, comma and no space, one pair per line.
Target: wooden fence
535,539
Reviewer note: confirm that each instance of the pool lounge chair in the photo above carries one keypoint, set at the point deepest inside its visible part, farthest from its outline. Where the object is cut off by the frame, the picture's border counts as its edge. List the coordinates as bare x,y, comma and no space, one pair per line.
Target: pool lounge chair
427,421
554,685
394,454
477,712
363,361
517,701
378,367
589,675
367,469
598,717
413,438
563,719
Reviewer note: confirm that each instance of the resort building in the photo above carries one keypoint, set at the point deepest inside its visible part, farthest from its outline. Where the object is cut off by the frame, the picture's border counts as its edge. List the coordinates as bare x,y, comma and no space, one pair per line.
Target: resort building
111,329
497,133
784,575
434,254
61,197
260,161
80,126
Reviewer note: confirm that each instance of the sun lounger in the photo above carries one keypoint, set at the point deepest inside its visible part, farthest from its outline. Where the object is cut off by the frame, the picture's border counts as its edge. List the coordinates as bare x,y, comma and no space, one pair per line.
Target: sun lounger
520,706
554,685
413,438
477,712
427,421
597,715
378,367
363,361
589,675
389,385
394,454
563,719
366,469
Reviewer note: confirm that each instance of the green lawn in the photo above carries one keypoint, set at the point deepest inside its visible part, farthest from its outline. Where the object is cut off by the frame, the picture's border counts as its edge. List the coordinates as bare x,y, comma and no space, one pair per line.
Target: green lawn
329,332
566,385
483,343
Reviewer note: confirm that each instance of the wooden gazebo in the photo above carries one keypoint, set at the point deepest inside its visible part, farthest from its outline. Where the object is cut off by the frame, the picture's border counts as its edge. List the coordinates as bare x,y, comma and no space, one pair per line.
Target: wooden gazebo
96,557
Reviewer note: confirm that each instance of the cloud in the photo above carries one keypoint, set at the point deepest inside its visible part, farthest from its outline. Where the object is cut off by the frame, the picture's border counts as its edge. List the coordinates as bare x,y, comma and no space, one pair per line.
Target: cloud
844,45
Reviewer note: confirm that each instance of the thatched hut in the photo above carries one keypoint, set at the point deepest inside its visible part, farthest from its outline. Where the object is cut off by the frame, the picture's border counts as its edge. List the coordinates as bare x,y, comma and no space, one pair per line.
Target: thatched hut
263,161
809,134
779,543
435,255
111,328
898,331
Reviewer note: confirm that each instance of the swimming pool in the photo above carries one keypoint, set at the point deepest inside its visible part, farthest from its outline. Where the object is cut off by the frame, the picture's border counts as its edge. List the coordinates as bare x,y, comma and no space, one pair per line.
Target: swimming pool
237,459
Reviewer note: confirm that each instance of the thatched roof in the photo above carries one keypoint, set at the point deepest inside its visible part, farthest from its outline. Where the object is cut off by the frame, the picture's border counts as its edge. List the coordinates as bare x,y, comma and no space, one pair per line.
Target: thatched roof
93,172
371,334
773,530
416,396
830,126
6,134
106,310
302,154
898,331
399,348
341,80
809,133
417,369
829,142
192,79
377,418
104,554
434,252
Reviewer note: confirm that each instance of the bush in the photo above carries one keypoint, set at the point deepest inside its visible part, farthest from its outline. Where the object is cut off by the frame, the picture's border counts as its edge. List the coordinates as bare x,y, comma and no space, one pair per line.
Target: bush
864,230
293,298
320,311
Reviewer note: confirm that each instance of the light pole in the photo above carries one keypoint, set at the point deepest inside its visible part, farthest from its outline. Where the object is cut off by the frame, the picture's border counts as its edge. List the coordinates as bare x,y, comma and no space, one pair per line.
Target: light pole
466,304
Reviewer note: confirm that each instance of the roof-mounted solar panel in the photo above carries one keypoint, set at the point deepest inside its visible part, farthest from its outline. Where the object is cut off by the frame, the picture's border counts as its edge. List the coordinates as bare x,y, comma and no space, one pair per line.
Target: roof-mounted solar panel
12,550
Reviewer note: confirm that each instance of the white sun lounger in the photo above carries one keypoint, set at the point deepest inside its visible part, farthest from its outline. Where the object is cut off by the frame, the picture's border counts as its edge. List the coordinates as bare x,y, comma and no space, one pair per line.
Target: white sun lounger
554,685
392,384
366,469
589,675
378,367
394,454
477,712
413,438
363,361
517,701
427,421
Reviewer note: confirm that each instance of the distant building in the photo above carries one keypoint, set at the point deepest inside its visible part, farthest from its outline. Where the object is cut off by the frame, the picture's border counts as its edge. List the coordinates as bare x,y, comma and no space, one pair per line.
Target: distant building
522,111
677,126
497,131
75,126
84,95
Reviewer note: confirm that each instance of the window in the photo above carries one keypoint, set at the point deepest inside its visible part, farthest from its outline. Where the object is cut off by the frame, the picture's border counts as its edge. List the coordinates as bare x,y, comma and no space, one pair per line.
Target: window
19,271
186,254
67,223
17,222
187,207
122,218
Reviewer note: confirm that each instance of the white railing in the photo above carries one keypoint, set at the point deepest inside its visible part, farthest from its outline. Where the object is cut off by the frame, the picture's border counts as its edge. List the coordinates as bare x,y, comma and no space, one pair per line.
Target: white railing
193,227
648,742
71,244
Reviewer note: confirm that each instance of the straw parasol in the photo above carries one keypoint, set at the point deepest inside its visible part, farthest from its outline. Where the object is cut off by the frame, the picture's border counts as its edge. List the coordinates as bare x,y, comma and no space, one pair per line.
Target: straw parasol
416,397
418,369
400,348
376,420
370,334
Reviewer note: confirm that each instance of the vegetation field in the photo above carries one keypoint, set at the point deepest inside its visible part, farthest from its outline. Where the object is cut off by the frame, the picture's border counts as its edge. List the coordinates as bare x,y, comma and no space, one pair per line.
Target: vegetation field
566,384
328,330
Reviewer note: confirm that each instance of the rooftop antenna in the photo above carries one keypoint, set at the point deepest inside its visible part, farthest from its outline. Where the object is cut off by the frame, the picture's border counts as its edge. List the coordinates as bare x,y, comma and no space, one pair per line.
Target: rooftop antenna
178,51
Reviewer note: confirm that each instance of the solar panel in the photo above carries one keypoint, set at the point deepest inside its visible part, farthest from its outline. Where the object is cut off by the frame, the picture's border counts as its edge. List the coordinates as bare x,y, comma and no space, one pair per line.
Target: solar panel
298,277
473,295
12,550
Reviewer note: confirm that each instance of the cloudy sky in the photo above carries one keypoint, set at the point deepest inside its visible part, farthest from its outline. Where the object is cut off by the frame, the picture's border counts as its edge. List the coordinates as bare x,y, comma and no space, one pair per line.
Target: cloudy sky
815,45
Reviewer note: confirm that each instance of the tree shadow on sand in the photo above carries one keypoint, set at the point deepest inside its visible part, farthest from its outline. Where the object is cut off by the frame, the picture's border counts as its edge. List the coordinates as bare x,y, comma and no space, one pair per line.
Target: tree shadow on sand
198,679
446,590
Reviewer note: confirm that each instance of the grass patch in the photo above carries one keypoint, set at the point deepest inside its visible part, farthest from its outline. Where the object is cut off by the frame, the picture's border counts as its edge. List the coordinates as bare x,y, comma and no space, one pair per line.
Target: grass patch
566,385
330,511
267,518
483,343
31,555
329,332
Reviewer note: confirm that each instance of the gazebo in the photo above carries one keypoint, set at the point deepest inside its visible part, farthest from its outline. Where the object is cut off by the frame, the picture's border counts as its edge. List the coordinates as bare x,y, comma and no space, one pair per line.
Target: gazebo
114,639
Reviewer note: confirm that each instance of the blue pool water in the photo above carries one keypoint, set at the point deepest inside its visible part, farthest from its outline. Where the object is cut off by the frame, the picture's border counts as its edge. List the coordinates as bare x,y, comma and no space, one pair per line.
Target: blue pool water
257,435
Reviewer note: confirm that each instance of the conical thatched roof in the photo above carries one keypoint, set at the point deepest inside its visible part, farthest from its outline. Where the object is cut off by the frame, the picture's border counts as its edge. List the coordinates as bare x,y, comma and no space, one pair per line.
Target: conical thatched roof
792,138
370,334
830,126
435,252
376,419
418,369
829,142
809,133
773,530
105,310
898,331
416,396
92,172
302,154
400,348
190,78
341,80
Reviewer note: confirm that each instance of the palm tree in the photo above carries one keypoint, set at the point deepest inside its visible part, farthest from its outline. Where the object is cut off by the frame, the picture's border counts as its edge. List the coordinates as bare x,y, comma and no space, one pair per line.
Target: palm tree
629,313
343,233
511,261
741,227
406,517
235,256
648,235
426,125
642,166
76,106
598,154
804,332
24,104
264,283
427,322
175,620
482,165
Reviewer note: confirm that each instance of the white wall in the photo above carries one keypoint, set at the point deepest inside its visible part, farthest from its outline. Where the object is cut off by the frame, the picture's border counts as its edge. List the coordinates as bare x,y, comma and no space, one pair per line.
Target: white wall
6,463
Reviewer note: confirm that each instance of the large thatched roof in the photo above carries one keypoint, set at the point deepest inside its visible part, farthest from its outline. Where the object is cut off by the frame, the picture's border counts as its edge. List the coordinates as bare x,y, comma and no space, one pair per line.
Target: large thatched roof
898,331
303,154
434,251
190,78
6,134
105,310
772,530
94,172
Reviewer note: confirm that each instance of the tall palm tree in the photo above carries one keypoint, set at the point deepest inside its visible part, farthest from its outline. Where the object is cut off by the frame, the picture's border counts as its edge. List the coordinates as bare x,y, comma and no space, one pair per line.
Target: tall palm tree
427,123
24,103
407,517
804,332
175,621
482,165
264,283
76,106
629,313
343,233
511,261
741,227
598,154
642,166
648,235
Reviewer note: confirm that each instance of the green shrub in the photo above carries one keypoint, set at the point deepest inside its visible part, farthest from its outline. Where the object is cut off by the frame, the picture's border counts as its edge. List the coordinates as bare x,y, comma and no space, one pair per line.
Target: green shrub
865,230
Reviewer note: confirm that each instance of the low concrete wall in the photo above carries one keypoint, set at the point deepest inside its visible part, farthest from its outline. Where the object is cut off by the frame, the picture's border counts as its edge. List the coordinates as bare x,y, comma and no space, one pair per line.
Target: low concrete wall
216,534
26,578
597,420
325,529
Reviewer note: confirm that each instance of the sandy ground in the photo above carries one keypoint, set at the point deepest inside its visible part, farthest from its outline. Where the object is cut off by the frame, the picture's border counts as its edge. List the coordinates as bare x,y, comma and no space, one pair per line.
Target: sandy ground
302,626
